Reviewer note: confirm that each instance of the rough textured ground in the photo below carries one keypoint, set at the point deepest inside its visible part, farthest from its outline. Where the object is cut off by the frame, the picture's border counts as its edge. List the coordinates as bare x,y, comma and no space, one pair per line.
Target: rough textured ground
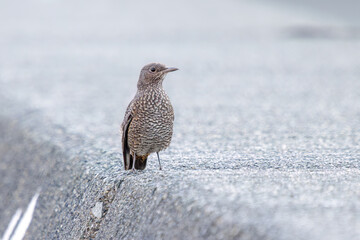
267,125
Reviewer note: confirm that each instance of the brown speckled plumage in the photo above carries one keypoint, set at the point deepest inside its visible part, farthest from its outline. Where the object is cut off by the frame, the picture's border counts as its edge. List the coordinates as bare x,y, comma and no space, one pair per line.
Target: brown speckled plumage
148,121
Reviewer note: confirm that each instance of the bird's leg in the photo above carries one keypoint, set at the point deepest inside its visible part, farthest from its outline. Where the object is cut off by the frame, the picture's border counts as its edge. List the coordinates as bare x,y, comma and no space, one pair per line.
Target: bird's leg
134,159
159,160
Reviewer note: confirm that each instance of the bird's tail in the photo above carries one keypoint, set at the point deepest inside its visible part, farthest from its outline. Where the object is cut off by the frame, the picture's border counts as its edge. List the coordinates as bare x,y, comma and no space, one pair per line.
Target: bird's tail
140,163
127,159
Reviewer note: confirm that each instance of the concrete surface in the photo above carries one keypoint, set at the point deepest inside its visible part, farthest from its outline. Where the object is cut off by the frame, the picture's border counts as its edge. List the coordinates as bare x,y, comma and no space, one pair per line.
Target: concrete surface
267,124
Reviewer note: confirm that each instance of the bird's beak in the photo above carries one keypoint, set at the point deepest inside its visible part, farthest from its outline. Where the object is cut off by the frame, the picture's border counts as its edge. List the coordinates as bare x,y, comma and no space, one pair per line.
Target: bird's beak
170,69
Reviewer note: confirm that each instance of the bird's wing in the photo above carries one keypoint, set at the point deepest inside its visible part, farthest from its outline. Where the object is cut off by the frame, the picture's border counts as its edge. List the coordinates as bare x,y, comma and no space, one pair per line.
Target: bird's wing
129,114
125,145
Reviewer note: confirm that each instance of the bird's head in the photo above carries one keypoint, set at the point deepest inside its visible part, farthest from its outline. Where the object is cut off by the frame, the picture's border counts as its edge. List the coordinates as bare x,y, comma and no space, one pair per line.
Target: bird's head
153,74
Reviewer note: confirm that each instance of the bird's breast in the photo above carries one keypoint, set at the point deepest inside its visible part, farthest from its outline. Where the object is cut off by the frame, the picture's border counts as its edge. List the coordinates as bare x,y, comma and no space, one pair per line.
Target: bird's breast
152,124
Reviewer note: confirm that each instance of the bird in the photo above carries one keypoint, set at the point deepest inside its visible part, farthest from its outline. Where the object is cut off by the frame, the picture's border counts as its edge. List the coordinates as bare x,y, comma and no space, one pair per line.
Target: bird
148,122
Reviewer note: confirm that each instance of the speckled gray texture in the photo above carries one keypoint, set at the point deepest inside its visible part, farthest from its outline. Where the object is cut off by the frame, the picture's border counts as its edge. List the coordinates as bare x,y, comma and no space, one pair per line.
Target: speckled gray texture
266,133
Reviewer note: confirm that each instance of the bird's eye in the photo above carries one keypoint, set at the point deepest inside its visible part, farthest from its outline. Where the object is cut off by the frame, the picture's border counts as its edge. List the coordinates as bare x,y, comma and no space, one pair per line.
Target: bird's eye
152,69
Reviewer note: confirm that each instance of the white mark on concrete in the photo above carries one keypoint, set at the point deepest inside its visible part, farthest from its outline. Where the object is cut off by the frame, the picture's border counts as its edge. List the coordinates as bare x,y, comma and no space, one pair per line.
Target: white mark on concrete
12,224
97,210
23,224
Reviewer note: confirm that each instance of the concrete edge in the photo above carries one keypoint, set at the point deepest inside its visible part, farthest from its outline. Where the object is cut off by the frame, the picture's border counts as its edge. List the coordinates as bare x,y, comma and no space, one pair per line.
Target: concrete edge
75,178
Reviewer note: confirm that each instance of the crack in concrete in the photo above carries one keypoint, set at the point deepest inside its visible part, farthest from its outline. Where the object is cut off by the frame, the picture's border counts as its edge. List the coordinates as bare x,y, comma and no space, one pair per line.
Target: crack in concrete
94,223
